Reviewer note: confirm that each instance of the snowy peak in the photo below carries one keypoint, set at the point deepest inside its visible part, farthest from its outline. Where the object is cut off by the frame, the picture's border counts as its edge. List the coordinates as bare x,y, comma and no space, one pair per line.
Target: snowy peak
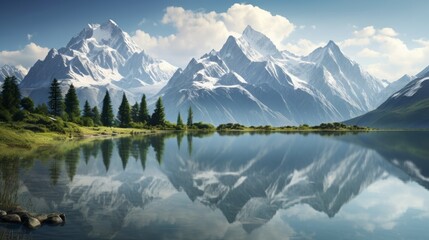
328,53
106,34
259,42
252,46
8,71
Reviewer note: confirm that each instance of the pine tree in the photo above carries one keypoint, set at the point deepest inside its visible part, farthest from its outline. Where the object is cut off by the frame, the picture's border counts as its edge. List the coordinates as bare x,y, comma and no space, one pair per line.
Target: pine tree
107,112
135,113
87,112
56,104
96,116
11,96
144,113
86,119
124,112
27,104
190,117
71,103
179,120
158,116
42,109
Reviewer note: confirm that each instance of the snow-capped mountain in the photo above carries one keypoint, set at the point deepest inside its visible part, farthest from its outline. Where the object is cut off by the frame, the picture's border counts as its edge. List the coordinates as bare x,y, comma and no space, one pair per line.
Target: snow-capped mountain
8,71
407,108
100,57
395,86
251,82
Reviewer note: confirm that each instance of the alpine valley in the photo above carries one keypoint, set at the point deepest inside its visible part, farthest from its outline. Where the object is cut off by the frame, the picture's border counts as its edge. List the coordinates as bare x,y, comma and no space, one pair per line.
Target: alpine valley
248,80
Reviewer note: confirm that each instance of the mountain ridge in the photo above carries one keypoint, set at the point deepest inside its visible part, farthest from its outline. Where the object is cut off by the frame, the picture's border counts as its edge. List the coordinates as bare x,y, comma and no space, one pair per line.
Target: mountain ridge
100,57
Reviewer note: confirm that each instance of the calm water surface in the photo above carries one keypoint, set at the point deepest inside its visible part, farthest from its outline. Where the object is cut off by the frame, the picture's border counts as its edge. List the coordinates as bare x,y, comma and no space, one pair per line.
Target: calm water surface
247,186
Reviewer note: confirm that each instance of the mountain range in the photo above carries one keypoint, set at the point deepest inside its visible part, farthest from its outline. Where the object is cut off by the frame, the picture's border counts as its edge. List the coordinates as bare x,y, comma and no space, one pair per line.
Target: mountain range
249,80
17,71
99,58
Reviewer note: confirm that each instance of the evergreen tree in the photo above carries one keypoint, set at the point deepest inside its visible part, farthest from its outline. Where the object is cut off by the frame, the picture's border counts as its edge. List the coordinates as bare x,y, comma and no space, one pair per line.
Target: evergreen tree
158,116
87,115
107,112
124,112
87,112
135,113
144,113
11,96
179,120
96,118
71,103
27,104
56,104
190,117
42,109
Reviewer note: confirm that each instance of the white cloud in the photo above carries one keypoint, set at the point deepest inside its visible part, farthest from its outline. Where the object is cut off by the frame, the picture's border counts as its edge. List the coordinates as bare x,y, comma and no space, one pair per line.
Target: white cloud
365,32
303,47
29,37
383,54
25,57
379,50
355,42
390,32
368,53
199,32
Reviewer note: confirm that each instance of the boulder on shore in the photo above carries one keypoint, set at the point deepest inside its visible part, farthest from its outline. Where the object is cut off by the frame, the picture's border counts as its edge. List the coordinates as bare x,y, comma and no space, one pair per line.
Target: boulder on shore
11,218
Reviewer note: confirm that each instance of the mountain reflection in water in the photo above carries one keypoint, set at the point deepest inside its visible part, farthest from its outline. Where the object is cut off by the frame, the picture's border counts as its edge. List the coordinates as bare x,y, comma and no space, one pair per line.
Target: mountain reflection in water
230,186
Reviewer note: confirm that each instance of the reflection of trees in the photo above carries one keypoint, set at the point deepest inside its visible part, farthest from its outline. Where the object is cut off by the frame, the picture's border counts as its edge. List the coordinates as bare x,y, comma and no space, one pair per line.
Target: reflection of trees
72,159
124,149
86,151
135,150
143,145
106,147
179,138
158,146
191,135
9,181
55,170
189,138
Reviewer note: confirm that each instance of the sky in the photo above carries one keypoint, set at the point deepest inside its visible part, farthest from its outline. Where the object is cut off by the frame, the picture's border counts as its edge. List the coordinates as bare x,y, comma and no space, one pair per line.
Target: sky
389,38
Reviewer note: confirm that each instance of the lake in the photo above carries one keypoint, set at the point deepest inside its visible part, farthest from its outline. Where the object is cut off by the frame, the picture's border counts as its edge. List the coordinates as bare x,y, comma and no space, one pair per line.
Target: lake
228,186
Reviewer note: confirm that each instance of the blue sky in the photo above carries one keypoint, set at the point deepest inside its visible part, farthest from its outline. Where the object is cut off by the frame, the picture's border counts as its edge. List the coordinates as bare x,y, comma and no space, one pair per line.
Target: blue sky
395,29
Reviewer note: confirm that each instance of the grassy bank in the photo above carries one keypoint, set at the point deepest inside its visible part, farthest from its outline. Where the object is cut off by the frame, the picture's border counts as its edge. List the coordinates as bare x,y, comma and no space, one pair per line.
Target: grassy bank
22,138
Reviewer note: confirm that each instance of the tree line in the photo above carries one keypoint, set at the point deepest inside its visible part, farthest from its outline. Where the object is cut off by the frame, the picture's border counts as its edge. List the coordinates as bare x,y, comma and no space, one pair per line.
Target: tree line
12,105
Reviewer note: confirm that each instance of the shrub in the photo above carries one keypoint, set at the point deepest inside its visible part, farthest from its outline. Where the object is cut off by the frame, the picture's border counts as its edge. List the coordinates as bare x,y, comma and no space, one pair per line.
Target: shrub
87,121
5,115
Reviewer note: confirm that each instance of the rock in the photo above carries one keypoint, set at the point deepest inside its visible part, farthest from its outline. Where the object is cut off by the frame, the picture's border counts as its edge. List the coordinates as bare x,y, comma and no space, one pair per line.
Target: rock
63,217
2,213
19,211
12,218
42,218
54,219
32,223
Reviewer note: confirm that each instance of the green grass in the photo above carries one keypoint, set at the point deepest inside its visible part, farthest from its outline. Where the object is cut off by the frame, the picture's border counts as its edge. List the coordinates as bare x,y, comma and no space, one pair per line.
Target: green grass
415,115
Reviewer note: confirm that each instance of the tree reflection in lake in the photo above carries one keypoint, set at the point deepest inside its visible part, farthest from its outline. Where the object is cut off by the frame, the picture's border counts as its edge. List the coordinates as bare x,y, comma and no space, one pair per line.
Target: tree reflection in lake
229,180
